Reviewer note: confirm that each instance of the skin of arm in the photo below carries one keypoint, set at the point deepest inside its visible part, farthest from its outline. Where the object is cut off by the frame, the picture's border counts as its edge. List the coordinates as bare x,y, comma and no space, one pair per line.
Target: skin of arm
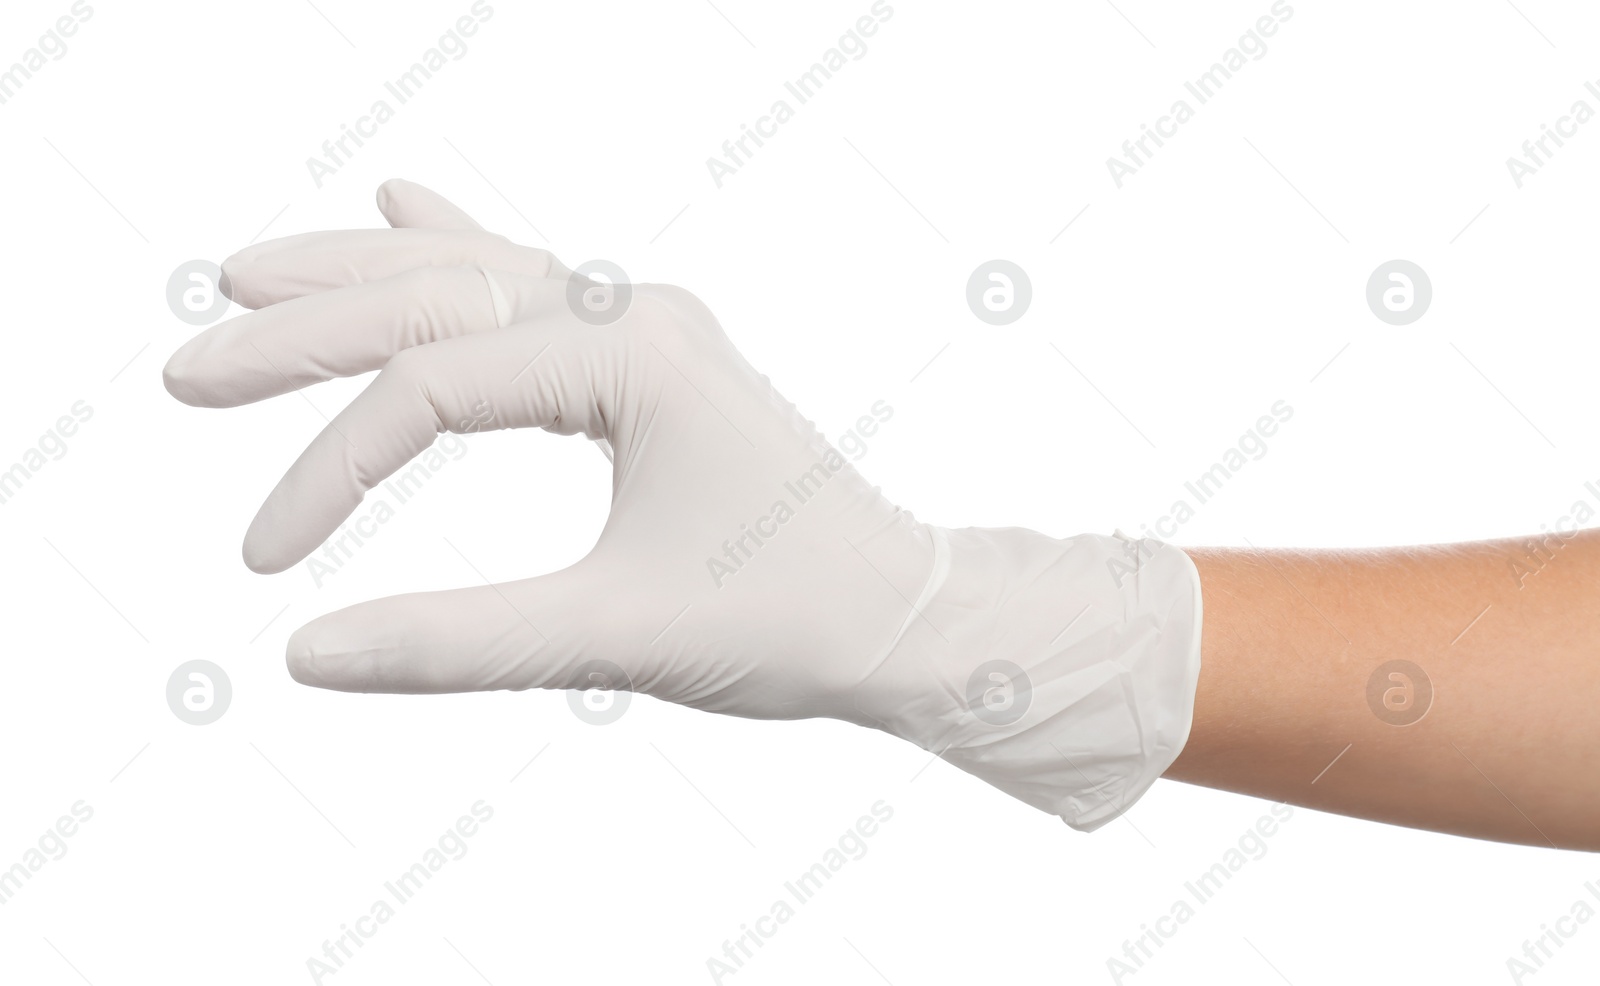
1507,634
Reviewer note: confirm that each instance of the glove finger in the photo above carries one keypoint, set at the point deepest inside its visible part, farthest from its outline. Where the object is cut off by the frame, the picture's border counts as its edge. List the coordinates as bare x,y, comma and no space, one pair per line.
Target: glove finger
547,632
307,263
350,330
405,204
553,373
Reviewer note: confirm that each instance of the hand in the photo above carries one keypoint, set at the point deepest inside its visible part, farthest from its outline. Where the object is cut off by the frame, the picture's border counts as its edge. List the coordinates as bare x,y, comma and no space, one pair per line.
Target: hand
746,567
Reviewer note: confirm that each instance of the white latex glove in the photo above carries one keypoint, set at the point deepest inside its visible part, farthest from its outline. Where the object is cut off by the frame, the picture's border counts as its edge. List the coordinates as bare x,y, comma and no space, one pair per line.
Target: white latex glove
830,600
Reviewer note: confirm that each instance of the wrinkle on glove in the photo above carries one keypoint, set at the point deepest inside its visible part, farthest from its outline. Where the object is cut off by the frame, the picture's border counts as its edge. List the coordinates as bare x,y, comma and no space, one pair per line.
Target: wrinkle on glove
1107,632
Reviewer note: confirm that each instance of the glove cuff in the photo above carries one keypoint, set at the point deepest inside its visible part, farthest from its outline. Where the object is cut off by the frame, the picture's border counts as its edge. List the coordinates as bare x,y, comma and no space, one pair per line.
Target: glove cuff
1062,671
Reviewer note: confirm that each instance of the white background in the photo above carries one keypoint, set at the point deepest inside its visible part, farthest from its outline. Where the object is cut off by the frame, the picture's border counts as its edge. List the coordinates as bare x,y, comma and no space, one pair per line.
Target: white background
1223,277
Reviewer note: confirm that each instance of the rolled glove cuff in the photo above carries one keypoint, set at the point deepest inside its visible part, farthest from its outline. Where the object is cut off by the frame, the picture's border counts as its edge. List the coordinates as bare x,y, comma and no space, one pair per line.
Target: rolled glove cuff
1062,671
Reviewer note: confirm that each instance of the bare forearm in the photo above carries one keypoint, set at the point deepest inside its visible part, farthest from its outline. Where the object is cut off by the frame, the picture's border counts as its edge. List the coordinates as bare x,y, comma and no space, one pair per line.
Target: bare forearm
1506,747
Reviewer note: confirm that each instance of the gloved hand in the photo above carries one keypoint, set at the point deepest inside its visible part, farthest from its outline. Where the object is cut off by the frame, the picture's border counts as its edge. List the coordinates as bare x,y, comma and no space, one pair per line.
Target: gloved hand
746,567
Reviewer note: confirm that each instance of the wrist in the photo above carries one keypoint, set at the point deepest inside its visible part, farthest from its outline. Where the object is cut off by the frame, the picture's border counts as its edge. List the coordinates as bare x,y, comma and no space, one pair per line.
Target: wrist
1062,671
